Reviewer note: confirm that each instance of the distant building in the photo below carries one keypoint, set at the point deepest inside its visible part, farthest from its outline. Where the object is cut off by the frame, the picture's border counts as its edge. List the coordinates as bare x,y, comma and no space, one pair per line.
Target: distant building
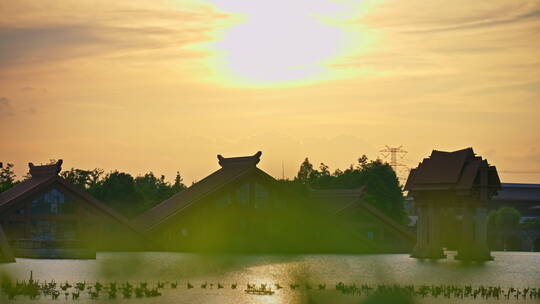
47,217
526,199
523,197
241,208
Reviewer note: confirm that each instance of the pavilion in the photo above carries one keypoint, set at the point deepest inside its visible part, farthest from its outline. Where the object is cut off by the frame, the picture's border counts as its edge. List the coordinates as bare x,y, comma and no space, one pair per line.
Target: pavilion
45,216
460,180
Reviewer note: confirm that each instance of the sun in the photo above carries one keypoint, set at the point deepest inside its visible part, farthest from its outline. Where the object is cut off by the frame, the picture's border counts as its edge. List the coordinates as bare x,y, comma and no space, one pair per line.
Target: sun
278,42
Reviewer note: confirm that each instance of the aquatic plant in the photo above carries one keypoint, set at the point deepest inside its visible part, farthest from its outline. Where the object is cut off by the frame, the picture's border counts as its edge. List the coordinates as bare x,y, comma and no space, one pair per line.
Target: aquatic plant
373,293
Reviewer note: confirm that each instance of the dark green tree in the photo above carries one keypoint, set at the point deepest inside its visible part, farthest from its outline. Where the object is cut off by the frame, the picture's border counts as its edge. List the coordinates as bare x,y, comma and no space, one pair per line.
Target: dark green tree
7,177
85,179
504,221
306,174
382,185
117,189
178,183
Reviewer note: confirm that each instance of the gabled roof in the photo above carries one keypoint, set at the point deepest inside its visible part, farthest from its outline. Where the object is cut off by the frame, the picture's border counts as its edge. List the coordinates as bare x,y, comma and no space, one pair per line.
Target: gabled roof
443,167
44,176
344,201
457,170
231,170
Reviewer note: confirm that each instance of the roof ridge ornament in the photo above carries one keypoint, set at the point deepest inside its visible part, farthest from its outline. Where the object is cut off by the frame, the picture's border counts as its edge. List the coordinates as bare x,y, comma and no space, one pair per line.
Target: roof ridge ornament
45,170
252,160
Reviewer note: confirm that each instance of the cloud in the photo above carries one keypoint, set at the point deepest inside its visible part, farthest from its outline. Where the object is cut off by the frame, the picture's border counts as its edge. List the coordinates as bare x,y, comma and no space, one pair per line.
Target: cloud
42,44
64,34
418,16
483,23
5,107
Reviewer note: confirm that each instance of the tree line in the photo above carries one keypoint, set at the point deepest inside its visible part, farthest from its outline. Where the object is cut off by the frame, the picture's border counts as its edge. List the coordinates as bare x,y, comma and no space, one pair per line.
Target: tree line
382,185
133,195
122,191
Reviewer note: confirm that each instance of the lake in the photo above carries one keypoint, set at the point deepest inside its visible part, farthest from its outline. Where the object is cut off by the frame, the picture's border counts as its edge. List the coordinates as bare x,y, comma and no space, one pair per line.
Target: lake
509,269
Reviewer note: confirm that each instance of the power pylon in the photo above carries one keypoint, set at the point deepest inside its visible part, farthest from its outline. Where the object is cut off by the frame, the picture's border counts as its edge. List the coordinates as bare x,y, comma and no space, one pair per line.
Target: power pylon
394,153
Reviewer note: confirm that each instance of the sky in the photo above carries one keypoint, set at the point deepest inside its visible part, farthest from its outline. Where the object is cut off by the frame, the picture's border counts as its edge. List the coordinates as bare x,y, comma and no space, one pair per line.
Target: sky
165,86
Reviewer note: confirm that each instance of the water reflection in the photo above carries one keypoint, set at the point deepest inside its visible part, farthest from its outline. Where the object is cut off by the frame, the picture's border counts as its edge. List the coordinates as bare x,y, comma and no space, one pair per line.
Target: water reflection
508,269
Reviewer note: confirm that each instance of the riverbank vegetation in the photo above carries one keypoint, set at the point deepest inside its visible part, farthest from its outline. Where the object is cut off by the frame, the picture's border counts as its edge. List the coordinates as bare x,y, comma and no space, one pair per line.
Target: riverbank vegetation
382,185
133,195
372,293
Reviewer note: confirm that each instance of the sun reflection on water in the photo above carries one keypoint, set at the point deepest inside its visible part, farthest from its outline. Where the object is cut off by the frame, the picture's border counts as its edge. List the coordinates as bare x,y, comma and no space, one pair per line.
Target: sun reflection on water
508,269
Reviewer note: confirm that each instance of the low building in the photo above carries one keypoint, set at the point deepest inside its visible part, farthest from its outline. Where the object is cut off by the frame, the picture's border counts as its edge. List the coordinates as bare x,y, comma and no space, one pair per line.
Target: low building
526,199
47,217
241,208
523,197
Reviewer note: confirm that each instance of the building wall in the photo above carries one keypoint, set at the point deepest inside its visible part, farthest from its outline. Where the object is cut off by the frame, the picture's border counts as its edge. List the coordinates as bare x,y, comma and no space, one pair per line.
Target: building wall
235,218
57,218
254,216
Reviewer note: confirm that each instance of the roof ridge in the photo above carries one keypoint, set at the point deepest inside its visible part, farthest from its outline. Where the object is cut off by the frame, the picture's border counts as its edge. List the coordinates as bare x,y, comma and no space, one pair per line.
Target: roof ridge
252,160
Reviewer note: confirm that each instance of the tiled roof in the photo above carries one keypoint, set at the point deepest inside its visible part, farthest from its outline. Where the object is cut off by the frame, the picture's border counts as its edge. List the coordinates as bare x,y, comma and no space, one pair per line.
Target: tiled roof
232,169
343,201
443,167
23,190
458,170
46,176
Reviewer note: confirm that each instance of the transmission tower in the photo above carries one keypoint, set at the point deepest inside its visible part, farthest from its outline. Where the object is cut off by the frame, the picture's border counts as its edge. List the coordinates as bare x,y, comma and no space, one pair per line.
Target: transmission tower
394,153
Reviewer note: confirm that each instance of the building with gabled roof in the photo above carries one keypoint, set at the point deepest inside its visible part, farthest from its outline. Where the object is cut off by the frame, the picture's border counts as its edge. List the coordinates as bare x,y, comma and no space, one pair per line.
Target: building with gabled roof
445,181
239,207
377,231
46,216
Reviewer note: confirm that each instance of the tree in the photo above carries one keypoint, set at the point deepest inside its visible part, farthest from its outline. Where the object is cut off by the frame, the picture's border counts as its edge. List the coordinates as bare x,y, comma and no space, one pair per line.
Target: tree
504,221
7,177
324,171
117,189
85,179
178,185
382,185
362,161
306,173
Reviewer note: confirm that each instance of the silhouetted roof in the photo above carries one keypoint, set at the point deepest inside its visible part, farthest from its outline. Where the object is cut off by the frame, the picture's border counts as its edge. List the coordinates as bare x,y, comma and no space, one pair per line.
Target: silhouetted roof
443,167
45,170
344,201
231,170
45,176
458,170
334,200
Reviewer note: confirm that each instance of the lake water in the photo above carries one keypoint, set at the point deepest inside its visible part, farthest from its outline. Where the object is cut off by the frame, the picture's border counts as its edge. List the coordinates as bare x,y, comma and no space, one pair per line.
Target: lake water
509,269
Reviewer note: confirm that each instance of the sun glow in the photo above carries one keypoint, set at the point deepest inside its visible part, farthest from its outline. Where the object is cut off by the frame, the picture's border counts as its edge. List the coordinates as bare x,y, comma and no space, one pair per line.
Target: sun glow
275,43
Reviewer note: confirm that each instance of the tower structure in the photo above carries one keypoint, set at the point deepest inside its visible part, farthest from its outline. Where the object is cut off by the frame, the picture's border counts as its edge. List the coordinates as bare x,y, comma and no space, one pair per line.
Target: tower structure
458,179
393,154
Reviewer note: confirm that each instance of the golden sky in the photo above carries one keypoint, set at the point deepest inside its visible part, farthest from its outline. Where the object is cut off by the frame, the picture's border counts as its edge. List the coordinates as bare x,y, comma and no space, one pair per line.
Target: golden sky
144,85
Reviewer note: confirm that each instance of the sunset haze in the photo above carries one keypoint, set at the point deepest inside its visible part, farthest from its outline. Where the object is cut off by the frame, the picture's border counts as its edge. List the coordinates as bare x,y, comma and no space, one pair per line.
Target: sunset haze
165,86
